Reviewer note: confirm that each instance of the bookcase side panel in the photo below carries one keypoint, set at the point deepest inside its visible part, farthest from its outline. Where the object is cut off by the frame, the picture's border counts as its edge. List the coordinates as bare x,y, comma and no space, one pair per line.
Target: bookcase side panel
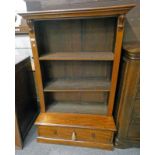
37,64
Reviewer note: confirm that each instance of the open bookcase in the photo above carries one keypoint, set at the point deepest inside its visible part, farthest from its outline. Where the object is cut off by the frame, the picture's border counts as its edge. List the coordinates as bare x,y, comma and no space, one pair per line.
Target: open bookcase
77,53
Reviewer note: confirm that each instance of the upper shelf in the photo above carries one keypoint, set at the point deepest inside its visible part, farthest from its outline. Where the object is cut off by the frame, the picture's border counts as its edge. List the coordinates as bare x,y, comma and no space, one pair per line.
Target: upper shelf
80,10
108,56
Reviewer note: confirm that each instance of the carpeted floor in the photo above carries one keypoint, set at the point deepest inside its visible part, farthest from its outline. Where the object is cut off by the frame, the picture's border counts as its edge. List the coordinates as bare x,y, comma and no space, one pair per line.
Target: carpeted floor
31,147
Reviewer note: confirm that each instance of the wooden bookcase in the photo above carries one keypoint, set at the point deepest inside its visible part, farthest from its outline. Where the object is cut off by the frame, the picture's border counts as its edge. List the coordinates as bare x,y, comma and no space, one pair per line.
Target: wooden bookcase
77,53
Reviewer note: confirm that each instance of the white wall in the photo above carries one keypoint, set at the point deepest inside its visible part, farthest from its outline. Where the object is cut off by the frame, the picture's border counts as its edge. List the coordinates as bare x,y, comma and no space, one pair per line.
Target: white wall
22,45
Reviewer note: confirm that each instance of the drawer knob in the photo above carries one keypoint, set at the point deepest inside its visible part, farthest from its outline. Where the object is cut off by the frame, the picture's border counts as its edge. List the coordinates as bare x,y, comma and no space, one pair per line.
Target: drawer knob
73,136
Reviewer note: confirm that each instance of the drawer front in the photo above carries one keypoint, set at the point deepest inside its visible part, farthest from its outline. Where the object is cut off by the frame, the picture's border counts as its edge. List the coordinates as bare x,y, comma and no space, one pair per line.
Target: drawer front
75,134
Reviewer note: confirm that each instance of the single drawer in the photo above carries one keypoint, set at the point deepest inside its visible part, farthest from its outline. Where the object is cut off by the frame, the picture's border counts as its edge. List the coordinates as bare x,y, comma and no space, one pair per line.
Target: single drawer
75,134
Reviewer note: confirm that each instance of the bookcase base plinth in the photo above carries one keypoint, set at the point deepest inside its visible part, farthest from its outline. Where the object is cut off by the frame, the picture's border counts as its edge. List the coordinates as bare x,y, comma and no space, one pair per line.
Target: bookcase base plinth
76,129
75,143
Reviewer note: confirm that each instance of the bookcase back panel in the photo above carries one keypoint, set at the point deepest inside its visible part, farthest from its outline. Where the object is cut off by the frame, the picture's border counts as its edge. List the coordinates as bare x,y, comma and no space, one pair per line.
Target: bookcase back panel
100,97
80,35
53,70
77,102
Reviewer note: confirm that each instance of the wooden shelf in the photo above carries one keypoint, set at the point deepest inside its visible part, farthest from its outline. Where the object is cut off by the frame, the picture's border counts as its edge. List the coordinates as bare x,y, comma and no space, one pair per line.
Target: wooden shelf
76,107
77,85
108,56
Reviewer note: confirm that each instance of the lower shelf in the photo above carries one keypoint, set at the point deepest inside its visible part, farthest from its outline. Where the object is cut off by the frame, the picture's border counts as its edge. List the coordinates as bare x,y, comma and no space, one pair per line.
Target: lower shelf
76,129
76,107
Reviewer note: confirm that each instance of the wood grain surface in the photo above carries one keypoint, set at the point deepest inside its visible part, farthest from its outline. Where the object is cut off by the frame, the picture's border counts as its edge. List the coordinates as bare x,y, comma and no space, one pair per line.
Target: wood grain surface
76,120
77,10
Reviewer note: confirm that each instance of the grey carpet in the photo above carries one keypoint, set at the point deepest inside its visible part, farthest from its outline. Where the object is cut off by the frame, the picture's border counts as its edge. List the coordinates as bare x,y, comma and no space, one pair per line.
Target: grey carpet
31,147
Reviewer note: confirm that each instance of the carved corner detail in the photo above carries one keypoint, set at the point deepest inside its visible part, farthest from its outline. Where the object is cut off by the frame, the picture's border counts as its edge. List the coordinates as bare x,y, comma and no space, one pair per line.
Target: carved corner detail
30,25
121,20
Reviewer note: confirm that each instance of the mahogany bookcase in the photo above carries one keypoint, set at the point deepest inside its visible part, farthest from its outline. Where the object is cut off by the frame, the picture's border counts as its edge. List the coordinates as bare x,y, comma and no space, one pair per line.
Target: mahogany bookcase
76,53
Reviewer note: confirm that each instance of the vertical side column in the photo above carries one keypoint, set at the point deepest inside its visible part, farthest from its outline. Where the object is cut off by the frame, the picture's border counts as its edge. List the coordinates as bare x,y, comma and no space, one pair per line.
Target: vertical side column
116,62
37,65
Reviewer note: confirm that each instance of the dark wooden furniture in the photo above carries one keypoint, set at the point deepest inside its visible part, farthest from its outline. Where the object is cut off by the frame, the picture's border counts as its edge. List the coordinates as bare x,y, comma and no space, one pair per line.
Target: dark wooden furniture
127,111
77,52
25,99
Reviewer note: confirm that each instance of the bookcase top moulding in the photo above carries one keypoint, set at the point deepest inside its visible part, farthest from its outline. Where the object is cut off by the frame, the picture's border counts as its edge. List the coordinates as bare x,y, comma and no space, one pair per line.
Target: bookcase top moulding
78,10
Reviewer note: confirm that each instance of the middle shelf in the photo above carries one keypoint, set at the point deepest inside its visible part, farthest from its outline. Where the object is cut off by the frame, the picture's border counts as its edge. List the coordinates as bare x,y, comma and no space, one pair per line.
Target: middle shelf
77,85
107,56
